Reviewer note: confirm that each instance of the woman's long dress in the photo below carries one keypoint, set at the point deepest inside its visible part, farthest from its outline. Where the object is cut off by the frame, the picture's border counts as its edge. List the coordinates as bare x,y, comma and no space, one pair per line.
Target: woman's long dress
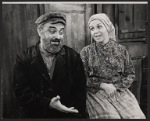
110,64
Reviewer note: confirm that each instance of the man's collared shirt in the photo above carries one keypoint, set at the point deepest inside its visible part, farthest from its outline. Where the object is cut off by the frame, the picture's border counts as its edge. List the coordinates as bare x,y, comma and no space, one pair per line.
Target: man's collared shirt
50,60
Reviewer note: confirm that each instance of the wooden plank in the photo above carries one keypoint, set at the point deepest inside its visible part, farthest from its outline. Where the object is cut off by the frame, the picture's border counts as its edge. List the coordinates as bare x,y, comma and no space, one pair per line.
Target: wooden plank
128,35
109,9
144,89
136,86
116,25
88,13
99,8
31,30
140,16
16,21
74,29
41,9
135,20
133,30
63,7
136,49
78,31
7,52
69,31
125,18
133,40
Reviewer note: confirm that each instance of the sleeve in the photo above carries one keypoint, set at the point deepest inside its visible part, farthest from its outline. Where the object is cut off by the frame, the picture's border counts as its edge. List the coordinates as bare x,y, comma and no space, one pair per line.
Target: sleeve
128,75
79,88
22,89
93,83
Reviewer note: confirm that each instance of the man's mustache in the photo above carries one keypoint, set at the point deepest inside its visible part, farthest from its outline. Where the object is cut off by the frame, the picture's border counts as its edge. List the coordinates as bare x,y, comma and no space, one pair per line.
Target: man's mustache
55,40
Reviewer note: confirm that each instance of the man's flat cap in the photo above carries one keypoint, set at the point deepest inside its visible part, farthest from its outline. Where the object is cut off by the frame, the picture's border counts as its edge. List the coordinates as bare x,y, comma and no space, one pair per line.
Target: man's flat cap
52,17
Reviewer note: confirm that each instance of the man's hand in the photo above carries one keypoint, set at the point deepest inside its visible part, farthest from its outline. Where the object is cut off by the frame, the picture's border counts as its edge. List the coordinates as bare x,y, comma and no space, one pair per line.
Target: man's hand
56,104
110,89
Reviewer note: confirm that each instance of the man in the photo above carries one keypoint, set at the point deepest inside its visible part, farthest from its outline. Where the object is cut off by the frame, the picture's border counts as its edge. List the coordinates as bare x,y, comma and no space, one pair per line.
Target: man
49,78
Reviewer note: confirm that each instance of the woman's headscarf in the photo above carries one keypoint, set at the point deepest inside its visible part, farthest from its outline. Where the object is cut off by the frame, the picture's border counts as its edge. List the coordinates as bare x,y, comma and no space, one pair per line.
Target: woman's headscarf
107,23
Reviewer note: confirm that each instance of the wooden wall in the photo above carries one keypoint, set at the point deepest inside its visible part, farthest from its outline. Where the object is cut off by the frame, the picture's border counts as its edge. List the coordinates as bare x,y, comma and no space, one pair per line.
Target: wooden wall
132,33
19,32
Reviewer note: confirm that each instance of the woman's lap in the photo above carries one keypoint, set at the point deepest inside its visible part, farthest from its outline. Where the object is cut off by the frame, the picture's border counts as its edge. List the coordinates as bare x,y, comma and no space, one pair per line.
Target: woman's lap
121,105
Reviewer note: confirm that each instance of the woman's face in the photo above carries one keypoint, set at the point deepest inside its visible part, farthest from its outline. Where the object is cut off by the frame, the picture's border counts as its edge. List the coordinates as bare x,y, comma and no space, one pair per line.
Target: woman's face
99,31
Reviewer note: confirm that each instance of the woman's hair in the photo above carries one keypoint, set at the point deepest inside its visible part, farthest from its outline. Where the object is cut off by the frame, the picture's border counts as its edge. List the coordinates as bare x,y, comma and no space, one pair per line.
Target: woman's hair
107,23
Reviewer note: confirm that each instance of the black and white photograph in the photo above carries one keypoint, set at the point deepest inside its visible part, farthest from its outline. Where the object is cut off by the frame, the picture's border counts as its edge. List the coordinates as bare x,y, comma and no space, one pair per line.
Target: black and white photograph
74,60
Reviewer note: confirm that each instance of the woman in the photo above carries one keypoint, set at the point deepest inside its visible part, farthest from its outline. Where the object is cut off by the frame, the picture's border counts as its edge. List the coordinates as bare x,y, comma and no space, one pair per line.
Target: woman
109,73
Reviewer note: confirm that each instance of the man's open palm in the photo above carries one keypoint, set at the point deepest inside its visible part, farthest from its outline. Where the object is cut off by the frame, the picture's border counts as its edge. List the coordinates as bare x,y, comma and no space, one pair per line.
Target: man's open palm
56,104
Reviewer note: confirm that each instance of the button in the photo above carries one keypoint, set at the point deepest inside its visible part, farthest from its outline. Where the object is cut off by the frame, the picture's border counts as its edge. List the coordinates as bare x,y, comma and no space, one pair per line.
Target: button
50,89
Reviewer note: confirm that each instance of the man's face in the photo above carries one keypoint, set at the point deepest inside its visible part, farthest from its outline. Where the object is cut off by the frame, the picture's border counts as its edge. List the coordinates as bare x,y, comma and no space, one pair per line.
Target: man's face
52,36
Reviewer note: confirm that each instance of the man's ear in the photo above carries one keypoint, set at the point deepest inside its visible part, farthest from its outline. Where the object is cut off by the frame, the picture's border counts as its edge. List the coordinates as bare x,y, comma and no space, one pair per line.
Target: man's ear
39,30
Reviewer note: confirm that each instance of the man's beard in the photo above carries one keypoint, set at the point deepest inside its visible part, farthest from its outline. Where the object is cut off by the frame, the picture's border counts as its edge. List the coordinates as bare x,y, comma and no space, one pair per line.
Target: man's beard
54,48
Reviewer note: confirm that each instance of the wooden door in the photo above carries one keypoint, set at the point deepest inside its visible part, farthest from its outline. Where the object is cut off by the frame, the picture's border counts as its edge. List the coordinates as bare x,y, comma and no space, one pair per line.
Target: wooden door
132,33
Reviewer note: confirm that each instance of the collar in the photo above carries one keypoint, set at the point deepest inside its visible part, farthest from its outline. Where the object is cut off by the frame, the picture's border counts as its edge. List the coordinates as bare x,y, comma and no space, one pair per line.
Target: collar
62,51
109,44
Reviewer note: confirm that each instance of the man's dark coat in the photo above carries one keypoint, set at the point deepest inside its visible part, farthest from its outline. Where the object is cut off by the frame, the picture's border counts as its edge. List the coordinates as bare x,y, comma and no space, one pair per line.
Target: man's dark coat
34,88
